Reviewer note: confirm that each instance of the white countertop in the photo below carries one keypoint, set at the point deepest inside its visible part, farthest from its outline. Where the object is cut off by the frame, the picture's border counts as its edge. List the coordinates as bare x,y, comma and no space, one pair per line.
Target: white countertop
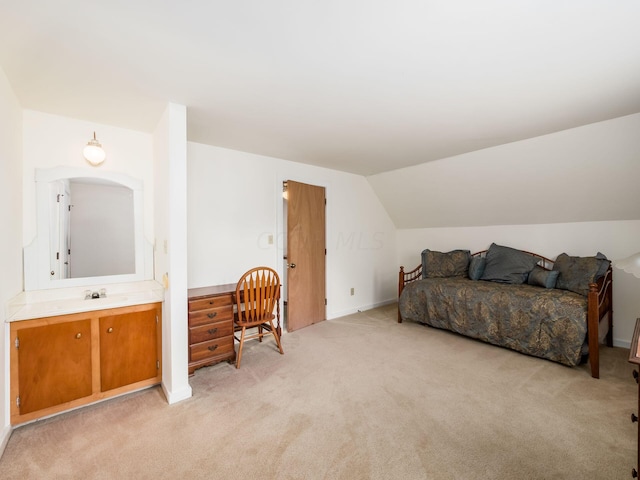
63,301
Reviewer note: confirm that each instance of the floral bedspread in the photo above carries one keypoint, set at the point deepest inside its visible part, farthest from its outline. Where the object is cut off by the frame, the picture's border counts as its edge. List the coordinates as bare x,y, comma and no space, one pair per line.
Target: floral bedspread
547,323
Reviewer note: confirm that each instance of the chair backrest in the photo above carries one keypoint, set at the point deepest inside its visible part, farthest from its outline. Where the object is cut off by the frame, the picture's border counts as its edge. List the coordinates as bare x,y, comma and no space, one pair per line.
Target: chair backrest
257,294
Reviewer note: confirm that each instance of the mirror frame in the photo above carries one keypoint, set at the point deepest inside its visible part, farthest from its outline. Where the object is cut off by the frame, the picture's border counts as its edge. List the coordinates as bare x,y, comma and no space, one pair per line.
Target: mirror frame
37,266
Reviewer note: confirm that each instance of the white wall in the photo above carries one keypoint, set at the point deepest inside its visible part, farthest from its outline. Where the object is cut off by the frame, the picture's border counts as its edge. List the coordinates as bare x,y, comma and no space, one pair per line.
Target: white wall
51,141
11,238
170,166
235,203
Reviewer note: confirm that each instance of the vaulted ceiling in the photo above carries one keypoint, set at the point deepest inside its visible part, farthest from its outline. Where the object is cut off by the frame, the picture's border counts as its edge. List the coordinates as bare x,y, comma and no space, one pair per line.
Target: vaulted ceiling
363,86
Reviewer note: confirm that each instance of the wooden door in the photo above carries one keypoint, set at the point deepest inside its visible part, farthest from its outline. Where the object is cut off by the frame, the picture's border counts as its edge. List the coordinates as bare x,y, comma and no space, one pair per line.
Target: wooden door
306,254
54,364
129,350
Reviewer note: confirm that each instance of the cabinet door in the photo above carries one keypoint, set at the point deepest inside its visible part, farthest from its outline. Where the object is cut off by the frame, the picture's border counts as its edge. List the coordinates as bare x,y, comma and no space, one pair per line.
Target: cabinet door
54,364
128,348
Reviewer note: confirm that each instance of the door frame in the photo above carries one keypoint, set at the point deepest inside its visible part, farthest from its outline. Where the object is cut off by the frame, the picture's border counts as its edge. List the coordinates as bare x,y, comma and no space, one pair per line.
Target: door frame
281,236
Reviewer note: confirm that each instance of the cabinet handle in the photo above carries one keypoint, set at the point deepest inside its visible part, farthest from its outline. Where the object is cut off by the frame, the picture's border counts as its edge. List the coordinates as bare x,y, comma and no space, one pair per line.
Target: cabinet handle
110,329
78,335
211,315
211,331
634,473
634,418
211,348
635,375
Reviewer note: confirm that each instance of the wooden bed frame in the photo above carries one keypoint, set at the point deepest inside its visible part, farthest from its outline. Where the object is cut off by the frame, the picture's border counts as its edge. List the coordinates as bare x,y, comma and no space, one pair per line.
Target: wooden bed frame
599,307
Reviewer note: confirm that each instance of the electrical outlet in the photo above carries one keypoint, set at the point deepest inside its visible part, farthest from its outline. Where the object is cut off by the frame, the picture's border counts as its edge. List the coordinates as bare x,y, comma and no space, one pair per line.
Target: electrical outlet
353,291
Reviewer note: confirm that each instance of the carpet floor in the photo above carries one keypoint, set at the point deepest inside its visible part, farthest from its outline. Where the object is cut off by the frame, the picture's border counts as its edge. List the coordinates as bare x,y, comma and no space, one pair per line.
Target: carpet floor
359,397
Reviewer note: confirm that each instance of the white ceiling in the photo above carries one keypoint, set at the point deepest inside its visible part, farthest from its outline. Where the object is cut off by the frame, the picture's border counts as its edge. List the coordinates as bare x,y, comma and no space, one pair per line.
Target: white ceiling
364,86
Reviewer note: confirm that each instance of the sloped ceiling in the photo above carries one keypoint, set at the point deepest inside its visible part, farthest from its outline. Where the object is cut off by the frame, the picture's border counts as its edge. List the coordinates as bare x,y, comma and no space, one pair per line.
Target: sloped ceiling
584,174
363,86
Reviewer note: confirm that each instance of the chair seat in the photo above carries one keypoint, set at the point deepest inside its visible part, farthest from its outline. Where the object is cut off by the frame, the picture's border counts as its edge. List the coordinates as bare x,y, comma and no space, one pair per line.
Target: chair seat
252,323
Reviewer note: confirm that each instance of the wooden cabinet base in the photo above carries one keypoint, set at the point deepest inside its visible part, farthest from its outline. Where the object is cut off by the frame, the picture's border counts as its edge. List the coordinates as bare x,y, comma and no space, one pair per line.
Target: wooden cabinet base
193,366
64,362
18,419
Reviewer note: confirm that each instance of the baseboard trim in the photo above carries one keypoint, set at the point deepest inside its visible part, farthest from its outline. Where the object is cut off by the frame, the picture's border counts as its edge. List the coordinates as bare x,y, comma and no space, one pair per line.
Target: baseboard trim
177,396
361,308
5,435
621,343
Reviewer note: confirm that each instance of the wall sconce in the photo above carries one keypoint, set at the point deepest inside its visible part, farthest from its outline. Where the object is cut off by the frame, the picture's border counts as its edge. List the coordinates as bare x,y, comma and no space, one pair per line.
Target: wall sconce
93,152
630,264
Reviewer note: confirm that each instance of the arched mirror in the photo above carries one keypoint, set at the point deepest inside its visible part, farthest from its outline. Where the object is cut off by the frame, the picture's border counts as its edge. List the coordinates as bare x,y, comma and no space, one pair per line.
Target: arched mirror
90,230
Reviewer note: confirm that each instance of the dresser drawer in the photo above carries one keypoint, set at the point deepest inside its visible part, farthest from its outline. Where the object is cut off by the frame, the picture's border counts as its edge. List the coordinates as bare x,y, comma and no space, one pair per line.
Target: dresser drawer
210,314
202,317
210,302
210,331
219,347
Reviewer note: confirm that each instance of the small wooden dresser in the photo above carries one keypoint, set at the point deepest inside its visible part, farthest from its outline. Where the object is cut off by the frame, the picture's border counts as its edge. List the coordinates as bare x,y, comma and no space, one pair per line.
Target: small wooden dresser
211,326
634,357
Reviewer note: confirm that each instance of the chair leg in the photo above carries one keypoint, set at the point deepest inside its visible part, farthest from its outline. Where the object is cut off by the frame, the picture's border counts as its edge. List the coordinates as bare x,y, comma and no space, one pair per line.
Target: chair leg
275,334
239,357
260,333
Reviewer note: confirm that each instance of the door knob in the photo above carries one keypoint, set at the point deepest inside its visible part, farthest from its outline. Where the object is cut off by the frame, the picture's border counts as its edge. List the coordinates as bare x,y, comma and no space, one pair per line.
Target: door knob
292,265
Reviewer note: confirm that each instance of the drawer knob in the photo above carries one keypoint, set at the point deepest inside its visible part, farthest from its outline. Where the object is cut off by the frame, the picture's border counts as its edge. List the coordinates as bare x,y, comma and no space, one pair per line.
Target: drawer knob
634,418
110,329
78,335
211,315
211,348
211,331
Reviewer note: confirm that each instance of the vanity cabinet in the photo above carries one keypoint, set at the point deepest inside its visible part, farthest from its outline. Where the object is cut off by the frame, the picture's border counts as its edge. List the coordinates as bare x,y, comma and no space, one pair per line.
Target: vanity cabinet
54,364
128,348
66,361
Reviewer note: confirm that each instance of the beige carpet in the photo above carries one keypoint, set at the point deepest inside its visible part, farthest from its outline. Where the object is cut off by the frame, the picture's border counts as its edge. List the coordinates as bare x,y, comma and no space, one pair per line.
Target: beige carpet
361,397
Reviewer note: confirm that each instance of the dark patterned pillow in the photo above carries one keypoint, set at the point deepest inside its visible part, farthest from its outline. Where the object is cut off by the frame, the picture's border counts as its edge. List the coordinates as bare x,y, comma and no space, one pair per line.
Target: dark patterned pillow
576,273
543,278
507,265
450,264
476,267
604,265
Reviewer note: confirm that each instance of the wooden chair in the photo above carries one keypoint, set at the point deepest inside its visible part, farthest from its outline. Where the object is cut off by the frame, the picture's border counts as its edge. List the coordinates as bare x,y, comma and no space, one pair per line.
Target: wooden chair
257,295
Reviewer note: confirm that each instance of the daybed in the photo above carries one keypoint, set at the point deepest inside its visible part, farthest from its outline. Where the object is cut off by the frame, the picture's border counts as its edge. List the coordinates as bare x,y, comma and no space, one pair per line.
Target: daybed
559,310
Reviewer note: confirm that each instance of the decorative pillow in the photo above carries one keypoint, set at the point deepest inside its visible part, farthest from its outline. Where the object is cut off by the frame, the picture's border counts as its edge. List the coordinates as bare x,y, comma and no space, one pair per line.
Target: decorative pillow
450,264
507,265
576,273
604,265
476,267
543,278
